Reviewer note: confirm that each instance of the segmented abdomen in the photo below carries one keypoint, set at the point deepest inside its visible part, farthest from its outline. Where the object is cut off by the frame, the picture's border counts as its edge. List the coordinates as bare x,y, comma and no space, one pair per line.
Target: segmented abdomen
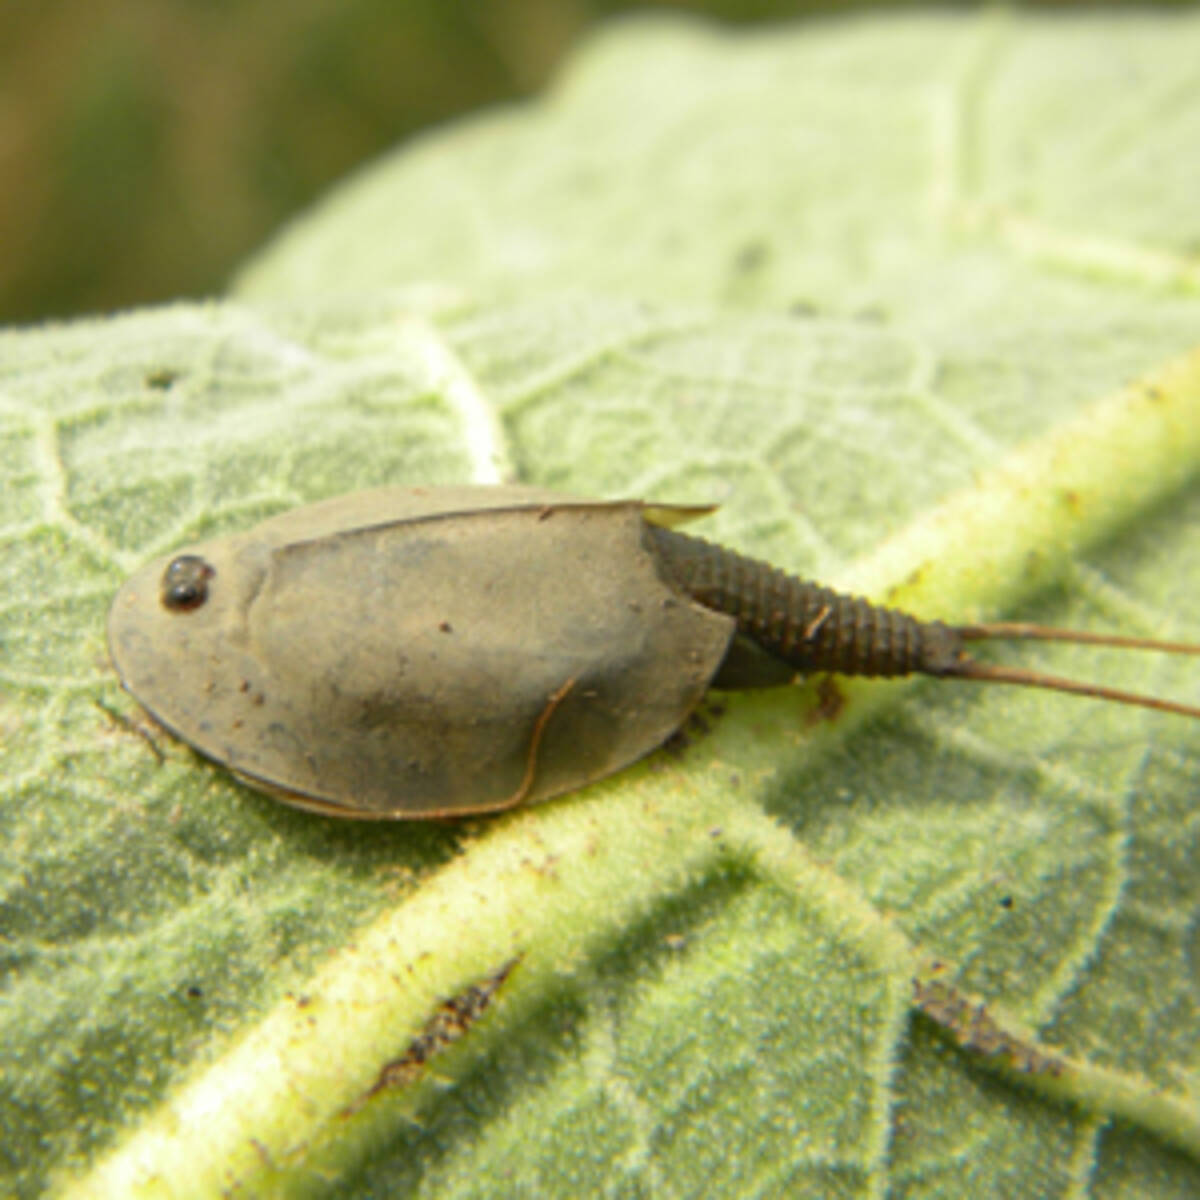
813,628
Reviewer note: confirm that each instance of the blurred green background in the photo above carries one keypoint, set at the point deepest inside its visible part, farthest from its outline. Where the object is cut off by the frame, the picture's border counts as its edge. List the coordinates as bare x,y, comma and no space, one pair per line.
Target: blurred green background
147,146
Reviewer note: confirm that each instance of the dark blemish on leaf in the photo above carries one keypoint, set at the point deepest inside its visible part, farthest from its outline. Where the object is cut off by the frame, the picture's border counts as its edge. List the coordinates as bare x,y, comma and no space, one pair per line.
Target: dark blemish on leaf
263,1153
677,744
449,1024
751,256
698,724
874,314
972,1026
831,700
161,378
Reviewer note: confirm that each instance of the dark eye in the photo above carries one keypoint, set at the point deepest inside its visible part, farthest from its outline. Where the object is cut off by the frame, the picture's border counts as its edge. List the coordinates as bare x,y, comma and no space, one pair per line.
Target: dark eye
185,582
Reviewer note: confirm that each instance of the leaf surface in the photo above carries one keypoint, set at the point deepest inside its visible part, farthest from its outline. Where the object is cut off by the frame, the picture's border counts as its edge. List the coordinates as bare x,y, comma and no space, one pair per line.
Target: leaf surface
915,299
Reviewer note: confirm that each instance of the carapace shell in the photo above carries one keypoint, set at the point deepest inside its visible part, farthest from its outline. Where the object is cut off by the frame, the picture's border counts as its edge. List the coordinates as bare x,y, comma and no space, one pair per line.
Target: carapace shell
417,652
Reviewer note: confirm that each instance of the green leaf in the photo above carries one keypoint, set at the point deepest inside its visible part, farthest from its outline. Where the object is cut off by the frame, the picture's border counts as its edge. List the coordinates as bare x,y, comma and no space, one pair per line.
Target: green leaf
913,297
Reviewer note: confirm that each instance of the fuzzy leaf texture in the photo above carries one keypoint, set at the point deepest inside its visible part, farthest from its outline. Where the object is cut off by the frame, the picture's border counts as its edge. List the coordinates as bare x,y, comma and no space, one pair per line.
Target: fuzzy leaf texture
915,298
